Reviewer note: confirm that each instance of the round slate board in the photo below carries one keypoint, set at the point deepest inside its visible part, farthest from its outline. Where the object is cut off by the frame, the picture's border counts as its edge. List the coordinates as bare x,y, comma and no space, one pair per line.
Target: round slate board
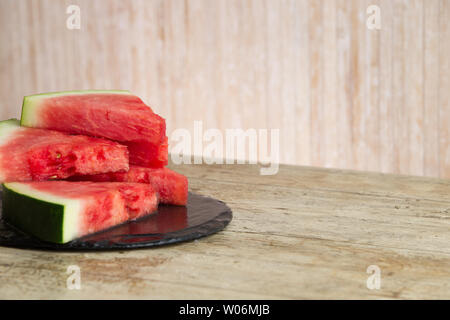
201,217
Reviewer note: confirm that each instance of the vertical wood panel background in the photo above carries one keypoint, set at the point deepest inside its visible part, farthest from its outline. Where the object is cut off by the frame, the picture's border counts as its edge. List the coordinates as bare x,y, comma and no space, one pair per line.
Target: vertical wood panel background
343,95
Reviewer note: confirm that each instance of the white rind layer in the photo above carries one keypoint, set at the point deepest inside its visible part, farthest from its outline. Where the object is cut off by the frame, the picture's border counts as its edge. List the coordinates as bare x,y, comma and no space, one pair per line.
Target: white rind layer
7,129
32,104
72,207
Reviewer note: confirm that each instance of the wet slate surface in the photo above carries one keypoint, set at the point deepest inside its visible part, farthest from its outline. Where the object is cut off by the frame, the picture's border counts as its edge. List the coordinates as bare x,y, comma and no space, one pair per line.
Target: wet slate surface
201,217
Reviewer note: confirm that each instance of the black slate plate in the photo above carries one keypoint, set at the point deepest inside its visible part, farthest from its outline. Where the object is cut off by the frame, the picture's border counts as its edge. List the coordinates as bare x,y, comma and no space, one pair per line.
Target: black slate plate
201,217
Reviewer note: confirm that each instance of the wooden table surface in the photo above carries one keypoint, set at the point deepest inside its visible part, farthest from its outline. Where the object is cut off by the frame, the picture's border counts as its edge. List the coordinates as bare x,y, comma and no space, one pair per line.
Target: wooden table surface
303,233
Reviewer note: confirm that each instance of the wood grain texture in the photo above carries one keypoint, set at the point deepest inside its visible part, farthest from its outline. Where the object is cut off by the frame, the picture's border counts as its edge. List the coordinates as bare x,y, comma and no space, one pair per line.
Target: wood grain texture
304,233
444,92
343,95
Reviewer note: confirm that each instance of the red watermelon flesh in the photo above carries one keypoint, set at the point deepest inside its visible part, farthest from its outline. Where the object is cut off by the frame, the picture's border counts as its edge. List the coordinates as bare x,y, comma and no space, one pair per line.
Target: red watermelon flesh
34,154
171,186
115,115
147,154
135,199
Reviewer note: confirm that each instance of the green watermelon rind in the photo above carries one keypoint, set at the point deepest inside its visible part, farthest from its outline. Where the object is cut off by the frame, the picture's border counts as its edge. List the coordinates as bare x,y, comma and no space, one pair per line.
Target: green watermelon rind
31,103
47,217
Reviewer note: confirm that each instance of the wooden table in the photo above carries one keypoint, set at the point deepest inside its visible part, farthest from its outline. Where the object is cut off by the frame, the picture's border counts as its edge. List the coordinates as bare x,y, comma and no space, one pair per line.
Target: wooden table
303,233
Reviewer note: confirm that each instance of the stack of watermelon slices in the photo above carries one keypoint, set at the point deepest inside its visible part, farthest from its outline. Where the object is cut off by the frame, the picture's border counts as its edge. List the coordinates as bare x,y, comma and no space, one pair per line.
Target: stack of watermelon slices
110,149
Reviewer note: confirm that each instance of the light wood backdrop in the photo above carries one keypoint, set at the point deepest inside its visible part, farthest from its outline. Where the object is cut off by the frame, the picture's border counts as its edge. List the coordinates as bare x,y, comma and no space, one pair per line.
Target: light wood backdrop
343,95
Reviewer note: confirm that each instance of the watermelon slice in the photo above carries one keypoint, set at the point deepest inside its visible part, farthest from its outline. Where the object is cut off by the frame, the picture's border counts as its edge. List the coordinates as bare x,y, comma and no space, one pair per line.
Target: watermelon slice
34,154
60,211
115,115
171,186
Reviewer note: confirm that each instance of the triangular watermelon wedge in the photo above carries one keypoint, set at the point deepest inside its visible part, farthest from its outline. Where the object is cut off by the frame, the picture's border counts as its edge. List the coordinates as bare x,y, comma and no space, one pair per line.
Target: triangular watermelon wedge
115,115
60,211
34,154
